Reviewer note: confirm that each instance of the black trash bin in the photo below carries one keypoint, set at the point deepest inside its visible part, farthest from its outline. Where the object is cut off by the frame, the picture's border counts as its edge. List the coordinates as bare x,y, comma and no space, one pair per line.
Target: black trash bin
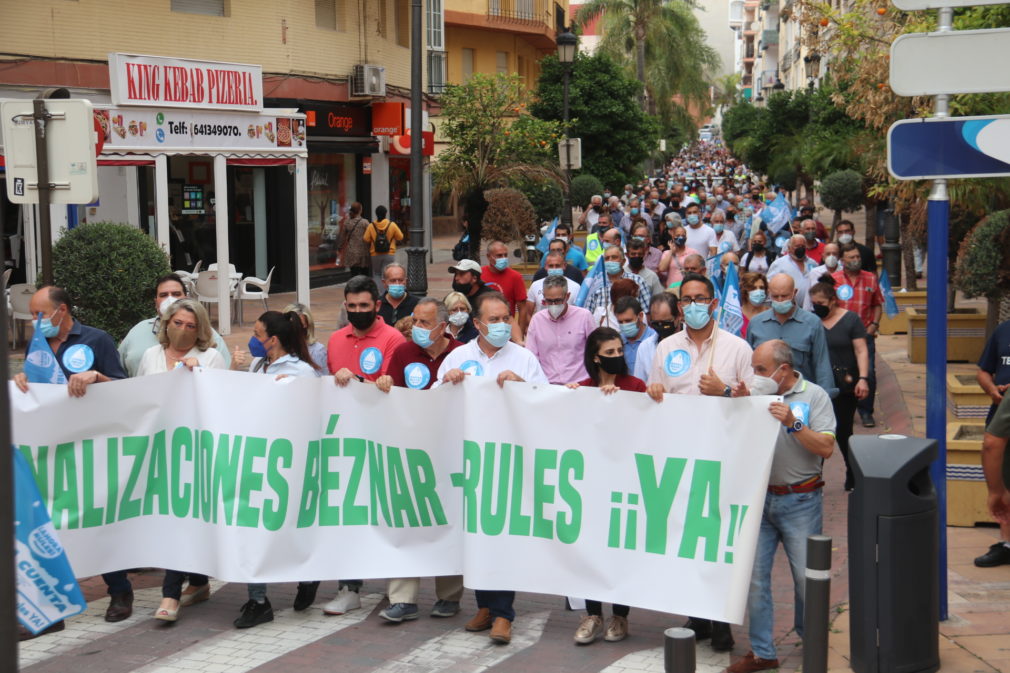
893,556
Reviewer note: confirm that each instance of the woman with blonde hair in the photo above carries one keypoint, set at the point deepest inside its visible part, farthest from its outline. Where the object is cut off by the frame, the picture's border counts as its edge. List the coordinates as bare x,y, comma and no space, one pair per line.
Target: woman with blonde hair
316,349
185,339
461,327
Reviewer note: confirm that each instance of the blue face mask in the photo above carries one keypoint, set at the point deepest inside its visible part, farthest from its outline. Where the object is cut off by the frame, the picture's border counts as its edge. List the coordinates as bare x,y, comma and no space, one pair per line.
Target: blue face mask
782,307
47,328
757,297
629,330
634,211
555,272
501,263
612,268
696,316
692,219
421,336
638,238
256,348
396,291
498,334
719,228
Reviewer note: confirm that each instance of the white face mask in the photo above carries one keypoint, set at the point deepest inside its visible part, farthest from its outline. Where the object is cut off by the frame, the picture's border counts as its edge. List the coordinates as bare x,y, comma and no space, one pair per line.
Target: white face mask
831,261
763,385
165,303
844,238
556,310
459,318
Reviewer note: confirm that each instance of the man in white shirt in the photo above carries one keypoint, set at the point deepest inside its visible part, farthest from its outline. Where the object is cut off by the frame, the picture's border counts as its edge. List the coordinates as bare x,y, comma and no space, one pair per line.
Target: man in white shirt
554,264
700,236
797,266
832,254
492,354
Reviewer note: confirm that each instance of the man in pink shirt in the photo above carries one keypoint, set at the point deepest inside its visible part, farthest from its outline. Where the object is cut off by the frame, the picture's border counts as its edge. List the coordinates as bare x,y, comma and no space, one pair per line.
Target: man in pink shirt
557,336
362,349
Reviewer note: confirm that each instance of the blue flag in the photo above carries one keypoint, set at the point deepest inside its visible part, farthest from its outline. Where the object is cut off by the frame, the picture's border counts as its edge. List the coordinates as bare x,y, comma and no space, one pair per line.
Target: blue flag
544,244
40,362
776,214
890,303
594,275
47,589
731,313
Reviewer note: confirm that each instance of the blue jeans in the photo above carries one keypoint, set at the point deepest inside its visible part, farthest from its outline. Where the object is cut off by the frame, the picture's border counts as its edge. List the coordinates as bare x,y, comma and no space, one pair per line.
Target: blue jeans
788,519
117,582
498,603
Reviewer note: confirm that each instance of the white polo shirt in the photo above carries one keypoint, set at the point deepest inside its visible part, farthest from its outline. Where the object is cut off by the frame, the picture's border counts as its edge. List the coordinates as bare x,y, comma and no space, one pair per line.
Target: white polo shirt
511,357
701,239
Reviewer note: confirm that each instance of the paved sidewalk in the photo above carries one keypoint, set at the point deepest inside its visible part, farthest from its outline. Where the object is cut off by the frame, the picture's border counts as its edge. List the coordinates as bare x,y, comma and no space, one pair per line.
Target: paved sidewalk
975,638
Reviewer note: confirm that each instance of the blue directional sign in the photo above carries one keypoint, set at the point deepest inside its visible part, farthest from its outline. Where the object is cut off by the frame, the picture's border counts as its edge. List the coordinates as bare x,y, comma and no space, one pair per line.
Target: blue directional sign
949,147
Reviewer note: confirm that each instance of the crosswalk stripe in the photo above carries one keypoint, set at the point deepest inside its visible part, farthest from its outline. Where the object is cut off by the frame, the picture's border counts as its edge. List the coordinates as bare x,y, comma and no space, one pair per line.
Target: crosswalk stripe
91,625
451,650
651,661
240,650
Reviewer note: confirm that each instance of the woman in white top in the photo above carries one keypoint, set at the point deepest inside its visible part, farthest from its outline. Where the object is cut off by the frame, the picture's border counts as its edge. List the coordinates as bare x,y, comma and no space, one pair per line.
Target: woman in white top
316,349
185,339
285,341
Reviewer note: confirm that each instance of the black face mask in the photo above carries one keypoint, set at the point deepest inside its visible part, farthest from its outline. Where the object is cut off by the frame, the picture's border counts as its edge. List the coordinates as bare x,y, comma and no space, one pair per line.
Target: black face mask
800,253
636,263
821,311
757,247
664,328
361,320
615,365
680,241
462,288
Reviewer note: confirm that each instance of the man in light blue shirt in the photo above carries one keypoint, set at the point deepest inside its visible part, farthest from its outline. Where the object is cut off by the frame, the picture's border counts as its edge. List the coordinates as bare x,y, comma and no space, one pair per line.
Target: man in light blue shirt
633,327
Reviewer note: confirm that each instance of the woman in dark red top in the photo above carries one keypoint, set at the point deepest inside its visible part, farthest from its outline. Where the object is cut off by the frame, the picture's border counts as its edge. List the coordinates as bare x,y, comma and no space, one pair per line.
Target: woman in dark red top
608,371
606,365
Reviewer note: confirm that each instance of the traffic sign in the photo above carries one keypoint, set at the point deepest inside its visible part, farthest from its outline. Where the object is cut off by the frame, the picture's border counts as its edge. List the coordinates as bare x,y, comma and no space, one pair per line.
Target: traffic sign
70,140
914,5
952,62
949,147
570,153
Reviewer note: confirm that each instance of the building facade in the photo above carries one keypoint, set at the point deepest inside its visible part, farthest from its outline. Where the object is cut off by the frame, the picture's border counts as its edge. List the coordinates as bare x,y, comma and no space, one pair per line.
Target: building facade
342,66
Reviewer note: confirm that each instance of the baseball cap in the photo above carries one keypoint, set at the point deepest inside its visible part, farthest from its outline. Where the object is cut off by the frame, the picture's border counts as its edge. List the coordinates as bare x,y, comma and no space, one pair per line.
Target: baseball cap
465,265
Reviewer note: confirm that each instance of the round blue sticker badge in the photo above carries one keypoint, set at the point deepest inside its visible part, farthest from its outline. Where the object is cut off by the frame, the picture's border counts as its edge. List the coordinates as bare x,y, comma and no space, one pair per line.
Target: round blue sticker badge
78,358
725,246
472,367
417,376
370,360
845,292
677,363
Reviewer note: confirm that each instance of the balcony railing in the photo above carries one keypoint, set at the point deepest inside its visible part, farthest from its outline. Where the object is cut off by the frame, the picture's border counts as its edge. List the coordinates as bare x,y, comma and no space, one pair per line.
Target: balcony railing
436,72
529,12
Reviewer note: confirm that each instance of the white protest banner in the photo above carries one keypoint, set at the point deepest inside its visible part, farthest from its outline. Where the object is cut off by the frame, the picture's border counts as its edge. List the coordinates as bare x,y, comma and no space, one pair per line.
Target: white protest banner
532,488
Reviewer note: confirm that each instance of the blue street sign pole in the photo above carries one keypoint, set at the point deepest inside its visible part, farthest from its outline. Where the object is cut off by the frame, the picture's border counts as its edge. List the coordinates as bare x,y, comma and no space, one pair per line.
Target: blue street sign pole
938,225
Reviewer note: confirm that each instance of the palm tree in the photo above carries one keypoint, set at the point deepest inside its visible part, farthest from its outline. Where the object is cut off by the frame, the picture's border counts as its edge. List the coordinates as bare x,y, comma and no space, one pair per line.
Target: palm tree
671,56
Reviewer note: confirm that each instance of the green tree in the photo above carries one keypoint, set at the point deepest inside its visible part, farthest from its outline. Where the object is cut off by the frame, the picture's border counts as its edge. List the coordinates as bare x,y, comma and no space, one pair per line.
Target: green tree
492,139
616,135
842,190
661,43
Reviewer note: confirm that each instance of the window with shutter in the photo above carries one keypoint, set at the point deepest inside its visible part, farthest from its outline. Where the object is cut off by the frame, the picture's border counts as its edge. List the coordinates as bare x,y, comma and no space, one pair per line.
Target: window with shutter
326,14
208,7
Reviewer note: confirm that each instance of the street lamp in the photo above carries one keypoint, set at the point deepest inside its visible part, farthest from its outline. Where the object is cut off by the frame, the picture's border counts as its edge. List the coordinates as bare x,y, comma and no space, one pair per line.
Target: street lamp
812,63
568,45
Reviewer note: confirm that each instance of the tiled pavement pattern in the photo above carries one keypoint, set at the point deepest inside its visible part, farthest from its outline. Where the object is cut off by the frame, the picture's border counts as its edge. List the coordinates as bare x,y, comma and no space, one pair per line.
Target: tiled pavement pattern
975,639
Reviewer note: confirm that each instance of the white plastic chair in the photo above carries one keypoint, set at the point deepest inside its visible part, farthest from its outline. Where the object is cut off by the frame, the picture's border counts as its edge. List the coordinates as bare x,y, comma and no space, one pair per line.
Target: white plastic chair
206,288
19,296
253,288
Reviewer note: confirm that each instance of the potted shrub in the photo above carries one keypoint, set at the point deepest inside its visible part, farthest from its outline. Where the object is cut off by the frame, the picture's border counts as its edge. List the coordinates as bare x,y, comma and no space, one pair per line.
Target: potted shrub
966,489
510,218
983,263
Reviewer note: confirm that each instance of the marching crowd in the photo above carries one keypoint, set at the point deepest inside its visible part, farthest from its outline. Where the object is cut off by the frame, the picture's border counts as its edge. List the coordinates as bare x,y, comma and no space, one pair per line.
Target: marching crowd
638,308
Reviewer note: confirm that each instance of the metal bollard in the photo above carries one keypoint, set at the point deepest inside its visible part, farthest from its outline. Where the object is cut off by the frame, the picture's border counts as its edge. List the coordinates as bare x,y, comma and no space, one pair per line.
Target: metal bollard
678,650
817,604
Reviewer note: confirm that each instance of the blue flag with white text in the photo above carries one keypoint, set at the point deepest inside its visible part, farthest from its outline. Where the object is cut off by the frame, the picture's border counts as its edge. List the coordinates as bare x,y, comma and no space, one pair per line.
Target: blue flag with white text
40,362
731,313
544,244
47,589
595,274
890,303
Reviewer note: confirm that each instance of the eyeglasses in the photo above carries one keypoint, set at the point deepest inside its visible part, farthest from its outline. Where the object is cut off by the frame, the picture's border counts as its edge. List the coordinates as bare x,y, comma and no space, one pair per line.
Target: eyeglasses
687,301
554,302
185,325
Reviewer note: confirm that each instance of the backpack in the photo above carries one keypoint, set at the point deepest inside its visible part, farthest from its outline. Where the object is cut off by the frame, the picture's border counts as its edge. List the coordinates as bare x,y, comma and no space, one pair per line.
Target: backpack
381,243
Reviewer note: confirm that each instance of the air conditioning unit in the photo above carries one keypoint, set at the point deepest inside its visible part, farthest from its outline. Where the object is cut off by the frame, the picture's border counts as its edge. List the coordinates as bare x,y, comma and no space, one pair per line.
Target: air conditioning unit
368,80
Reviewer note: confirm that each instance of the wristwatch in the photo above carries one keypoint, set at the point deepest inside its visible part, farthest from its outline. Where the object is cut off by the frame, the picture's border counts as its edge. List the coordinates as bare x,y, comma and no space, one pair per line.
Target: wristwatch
727,392
797,425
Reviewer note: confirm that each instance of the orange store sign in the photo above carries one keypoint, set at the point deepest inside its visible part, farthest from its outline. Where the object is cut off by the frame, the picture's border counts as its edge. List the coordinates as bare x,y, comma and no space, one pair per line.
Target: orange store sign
387,119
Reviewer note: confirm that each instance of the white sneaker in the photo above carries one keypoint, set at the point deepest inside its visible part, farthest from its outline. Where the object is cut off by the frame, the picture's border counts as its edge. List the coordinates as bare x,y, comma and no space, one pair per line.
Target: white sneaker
345,601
